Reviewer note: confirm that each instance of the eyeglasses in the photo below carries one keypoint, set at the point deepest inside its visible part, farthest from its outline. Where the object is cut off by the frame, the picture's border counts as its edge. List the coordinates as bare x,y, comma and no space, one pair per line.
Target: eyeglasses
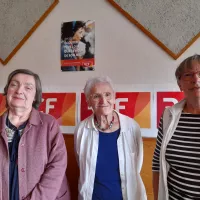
97,96
190,75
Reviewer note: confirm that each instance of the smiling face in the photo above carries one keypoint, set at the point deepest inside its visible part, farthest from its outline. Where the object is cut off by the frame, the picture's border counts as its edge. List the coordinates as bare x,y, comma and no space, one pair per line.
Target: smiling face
21,92
102,99
189,81
79,34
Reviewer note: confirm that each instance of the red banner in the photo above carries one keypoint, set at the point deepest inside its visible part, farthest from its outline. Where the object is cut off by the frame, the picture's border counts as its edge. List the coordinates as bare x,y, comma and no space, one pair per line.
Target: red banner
61,105
166,99
2,104
133,104
136,105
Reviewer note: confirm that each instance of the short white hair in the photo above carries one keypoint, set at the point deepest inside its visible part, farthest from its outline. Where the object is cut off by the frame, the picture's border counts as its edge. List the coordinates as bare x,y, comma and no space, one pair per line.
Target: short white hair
90,83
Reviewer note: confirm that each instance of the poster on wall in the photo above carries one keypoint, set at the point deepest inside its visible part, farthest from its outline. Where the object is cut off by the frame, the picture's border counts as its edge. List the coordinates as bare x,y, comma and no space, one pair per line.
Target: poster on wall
78,46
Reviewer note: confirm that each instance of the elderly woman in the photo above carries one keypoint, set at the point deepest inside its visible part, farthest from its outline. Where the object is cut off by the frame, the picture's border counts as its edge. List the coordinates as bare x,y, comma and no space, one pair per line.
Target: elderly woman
176,171
109,148
33,157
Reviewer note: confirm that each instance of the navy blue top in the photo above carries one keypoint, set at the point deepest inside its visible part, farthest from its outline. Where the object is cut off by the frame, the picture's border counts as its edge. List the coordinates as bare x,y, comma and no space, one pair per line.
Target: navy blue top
13,168
107,184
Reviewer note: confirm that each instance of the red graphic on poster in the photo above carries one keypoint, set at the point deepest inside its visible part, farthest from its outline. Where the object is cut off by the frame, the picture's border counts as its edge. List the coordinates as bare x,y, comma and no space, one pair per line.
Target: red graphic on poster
133,104
166,99
81,62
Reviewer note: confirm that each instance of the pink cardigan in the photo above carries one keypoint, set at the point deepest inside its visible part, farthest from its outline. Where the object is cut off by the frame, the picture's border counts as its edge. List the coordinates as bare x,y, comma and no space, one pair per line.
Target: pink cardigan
42,160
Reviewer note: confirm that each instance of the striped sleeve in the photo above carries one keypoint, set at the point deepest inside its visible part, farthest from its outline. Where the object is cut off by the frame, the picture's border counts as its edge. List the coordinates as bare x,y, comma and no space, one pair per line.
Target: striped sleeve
156,156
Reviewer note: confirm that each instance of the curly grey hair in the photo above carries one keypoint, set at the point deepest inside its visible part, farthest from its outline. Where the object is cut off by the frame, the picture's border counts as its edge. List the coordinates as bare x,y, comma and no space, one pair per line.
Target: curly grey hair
90,83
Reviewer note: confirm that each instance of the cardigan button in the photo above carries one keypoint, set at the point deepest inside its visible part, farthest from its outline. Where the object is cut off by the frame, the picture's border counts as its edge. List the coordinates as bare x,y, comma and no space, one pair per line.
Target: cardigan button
22,170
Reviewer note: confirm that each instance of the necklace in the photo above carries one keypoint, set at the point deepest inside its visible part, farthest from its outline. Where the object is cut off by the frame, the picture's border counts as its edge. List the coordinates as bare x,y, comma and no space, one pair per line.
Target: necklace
10,129
99,126
10,132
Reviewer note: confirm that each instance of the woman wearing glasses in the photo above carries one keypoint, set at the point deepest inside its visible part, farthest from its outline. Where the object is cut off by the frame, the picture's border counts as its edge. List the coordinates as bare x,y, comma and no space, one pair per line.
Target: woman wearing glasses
176,172
109,148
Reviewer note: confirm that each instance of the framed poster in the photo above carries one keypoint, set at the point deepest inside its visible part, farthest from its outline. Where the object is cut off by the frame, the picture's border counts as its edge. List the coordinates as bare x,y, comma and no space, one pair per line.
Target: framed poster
77,46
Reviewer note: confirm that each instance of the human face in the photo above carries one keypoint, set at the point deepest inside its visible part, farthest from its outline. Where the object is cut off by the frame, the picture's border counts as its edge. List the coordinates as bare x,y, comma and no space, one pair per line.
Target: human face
189,82
102,99
21,92
79,34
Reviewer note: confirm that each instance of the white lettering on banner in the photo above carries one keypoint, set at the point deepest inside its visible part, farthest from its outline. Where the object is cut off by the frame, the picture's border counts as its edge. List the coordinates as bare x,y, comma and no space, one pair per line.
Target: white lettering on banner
48,105
117,104
173,100
89,108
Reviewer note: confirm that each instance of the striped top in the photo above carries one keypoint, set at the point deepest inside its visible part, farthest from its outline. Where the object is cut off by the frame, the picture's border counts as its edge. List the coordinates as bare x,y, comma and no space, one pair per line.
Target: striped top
183,157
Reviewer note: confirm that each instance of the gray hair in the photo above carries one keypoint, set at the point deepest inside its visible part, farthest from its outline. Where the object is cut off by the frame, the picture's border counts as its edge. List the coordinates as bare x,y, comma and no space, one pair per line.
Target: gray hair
186,64
38,95
90,83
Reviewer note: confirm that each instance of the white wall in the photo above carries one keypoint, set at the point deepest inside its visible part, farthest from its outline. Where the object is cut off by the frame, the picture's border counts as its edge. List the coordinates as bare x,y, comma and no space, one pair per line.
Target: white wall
123,52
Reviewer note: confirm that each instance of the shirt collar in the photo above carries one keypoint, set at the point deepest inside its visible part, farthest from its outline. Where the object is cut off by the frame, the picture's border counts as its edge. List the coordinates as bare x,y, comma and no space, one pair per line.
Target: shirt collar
34,119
